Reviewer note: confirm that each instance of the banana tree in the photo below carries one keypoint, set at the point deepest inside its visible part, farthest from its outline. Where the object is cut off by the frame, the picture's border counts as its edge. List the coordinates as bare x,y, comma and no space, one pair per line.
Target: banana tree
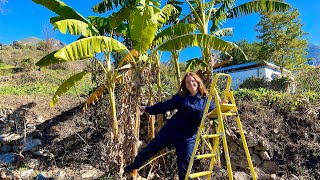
90,43
216,12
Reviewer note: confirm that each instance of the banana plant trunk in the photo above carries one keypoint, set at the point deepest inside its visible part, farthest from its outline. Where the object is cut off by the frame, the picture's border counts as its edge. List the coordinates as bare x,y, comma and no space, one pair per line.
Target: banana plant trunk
110,89
113,111
175,56
159,116
137,99
151,102
209,72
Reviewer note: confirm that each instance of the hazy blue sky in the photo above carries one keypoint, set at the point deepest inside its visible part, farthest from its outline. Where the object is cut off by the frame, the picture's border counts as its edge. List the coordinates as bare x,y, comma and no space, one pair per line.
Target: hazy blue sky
23,18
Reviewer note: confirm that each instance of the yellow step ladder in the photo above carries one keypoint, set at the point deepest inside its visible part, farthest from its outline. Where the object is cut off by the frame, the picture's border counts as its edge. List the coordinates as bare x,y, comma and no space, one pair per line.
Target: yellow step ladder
220,113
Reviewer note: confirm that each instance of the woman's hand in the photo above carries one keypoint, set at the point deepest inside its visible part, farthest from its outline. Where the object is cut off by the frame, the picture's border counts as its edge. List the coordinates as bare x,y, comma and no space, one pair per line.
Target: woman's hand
142,109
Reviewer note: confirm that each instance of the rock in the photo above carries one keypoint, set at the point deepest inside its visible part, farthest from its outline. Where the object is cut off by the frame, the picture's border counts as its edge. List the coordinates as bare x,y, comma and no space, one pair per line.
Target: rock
232,147
33,163
61,175
273,176
7,158
251,142
6,148
40,119
42,152
240,151
41,177
258,148
261,174
6,174
270,167
90,173
12,123
293,177
241,176
256,159
276,131
242,163
30,144
265,145
7,138
264,155
26,174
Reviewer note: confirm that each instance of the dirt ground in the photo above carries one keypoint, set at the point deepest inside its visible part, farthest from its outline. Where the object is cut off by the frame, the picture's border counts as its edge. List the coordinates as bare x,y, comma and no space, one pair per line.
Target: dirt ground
75,144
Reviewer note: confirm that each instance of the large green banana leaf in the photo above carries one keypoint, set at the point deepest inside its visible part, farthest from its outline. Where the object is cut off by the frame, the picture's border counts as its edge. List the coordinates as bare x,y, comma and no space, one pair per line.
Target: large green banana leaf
55,19
87,47
61,9
76,27
247,8
174,31
143,25
257,6
166,13
194,62
223,32
113,21
49,59
201,40
210,4
65,86
106,5
219,16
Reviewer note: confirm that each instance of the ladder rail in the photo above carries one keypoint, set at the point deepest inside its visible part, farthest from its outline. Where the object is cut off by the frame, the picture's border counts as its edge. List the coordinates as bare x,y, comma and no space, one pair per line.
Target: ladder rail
219,130
199,134
244,142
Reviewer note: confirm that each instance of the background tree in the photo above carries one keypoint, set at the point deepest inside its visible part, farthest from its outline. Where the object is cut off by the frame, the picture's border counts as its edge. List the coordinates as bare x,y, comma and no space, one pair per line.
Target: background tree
49,33
251,50
282,38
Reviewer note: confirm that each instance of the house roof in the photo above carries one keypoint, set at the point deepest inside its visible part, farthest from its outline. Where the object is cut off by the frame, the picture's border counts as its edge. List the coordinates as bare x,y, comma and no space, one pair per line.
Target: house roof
248,65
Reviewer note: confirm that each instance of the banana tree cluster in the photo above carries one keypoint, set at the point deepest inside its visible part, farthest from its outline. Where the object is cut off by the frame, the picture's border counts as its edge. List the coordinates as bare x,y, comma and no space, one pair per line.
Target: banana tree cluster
145,27
209,18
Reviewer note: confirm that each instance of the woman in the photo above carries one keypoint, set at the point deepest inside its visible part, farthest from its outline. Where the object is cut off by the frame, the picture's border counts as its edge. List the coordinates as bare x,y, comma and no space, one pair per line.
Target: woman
181,129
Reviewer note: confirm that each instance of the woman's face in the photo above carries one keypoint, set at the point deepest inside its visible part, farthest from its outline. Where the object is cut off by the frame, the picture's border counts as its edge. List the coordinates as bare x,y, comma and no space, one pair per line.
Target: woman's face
192,85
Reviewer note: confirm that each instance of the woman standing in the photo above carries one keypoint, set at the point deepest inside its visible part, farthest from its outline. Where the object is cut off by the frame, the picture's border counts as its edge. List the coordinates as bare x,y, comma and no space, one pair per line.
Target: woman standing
181,129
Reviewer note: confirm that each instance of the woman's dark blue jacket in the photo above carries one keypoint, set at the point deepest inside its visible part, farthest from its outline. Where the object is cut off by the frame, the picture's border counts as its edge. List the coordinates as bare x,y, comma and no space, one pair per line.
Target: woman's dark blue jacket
188,117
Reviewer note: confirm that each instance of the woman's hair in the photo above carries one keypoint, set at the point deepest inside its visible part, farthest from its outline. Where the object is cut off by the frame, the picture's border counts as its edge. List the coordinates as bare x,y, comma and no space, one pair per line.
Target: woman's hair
201,88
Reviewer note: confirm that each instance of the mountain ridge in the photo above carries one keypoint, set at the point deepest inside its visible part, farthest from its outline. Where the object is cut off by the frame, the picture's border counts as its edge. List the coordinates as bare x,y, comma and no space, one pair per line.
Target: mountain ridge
313,50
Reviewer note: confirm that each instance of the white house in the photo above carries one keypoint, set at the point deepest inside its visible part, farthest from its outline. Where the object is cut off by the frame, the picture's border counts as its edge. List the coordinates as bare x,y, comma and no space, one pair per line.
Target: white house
241,72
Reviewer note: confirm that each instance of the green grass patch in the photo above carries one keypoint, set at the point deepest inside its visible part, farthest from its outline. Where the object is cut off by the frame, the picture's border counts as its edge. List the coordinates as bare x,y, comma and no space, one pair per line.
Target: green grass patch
282,100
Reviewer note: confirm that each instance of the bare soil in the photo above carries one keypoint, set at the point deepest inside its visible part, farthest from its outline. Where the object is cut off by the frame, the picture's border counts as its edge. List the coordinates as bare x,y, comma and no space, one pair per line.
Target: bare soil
76,141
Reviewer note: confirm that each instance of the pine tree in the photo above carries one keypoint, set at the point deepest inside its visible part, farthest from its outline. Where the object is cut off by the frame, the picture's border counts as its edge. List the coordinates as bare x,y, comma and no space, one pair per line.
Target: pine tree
283,40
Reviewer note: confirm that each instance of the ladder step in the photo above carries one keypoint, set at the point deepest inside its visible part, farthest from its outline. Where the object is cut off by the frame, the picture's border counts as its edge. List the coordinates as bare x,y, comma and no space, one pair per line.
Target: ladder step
202,156
211,136
199,174
214,116
225,109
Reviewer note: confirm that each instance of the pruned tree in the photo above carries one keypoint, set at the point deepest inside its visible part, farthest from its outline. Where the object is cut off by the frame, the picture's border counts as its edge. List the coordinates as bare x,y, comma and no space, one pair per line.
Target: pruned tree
48,32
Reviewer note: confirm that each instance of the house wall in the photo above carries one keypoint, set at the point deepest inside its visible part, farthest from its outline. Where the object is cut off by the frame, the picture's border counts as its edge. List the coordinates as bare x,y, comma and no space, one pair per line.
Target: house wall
261,72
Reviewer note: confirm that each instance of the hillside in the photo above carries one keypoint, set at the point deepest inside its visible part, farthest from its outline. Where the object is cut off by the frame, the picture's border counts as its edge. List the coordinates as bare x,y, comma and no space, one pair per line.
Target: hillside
30,40
69,144
314,52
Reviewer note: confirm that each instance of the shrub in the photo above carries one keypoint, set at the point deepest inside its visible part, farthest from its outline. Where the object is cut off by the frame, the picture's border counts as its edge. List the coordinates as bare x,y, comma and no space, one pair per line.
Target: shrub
308,79
278,84
17,45
254,83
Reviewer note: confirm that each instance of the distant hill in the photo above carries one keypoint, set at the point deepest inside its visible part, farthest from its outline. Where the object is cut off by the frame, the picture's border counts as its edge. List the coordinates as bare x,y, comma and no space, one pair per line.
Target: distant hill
30,40
314,52
34,41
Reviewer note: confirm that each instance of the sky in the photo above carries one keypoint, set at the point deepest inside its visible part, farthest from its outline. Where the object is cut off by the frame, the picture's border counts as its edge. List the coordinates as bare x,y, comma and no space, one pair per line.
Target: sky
20,19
